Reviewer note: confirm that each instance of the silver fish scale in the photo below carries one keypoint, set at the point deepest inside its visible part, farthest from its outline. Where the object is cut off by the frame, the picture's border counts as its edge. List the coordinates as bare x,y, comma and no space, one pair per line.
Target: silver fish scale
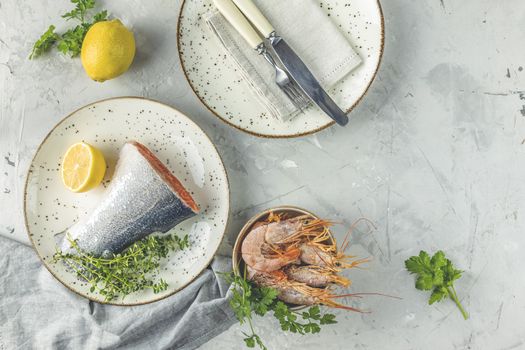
136,203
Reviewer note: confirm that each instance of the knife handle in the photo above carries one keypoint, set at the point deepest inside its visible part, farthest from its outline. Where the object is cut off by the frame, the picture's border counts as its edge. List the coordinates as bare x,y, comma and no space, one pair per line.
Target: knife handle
228,9
255,16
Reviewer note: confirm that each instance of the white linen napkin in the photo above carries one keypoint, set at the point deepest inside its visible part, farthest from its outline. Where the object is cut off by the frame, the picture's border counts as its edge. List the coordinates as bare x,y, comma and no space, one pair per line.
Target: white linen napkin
315,38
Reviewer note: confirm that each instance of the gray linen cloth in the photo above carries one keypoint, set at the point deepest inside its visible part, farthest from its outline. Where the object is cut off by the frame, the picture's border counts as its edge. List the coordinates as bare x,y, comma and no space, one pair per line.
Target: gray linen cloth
37,312
308,30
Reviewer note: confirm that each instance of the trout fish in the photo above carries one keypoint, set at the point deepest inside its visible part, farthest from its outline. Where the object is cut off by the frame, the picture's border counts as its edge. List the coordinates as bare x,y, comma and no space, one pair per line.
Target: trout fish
143,197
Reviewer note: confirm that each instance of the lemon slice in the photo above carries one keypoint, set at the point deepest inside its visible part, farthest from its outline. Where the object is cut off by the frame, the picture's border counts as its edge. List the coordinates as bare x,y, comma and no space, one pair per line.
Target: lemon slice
83,167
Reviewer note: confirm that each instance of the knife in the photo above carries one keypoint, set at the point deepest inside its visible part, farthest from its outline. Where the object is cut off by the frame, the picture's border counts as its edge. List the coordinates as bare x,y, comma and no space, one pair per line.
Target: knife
292,63
282,78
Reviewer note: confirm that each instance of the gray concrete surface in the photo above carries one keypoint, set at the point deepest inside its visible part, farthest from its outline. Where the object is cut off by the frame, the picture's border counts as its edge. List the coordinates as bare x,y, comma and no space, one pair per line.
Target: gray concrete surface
434,155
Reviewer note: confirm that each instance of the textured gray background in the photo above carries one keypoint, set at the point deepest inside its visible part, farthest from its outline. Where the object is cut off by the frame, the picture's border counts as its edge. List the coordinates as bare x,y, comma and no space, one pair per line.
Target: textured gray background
433,155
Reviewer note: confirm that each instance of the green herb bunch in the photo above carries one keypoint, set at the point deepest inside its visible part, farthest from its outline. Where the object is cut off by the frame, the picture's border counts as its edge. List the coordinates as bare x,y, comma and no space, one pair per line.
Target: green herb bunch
249,299
69,42
436,274
124,273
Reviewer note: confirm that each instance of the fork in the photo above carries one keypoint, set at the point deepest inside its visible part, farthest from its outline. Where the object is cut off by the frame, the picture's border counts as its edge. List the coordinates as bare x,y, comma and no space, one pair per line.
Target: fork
283,80
287,85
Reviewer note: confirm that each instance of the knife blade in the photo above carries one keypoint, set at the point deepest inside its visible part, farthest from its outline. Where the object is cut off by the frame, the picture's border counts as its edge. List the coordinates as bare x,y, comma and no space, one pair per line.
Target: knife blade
293,63
306,80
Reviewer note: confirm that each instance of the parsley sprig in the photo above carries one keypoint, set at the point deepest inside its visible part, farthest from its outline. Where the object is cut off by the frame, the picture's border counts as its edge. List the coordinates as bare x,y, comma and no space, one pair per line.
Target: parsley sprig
249,299
46,41
124,273
69,42
436,274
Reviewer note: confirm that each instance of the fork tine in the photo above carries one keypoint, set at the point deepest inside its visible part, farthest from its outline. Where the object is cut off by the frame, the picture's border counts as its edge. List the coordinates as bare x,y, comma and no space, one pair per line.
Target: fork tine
297,94
289,93
304,100
286,83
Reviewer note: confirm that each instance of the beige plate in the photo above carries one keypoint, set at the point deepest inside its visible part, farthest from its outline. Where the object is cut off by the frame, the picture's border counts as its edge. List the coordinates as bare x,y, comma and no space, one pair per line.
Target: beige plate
214,78
49,208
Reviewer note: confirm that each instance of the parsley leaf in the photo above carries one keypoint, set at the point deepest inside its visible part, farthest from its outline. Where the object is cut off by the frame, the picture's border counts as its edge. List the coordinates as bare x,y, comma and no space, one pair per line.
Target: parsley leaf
419,264
438,294
80,10
45,42
424,281
436,274
248,299
327,319
70,42
263,298
101,16
250,341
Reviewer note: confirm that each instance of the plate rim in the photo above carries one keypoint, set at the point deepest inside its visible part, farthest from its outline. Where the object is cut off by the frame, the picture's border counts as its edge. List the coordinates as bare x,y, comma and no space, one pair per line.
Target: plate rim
279,136
25,202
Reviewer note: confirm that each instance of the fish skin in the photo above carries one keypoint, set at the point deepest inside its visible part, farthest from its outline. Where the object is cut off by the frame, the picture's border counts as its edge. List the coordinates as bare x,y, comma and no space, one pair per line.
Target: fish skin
142,198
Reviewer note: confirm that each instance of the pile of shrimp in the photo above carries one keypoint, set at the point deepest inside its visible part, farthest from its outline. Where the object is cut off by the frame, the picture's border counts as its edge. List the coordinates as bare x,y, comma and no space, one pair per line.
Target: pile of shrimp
298,257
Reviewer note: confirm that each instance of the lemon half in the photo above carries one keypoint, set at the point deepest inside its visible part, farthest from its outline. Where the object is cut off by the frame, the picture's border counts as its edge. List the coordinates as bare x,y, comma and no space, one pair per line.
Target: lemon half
108,50
83,167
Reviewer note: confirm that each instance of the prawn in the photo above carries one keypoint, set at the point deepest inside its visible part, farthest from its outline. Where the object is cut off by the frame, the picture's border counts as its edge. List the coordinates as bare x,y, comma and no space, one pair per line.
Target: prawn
298,293
324,256
262,256
322,251
315,276
270,246
294,230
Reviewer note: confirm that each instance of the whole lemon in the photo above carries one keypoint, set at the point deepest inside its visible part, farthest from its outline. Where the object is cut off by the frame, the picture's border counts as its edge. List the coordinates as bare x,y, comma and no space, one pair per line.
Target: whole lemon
107,50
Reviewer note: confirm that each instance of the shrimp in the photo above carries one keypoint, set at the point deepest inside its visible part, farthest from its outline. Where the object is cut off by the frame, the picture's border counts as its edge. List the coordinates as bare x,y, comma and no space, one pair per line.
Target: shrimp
294,230
265,278
315,276
322,251
262,256
298,293
324,256
324,297
270,246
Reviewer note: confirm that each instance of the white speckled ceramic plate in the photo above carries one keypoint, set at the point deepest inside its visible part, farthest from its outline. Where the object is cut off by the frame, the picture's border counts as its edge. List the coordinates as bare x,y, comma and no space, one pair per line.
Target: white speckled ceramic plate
214,78
179,143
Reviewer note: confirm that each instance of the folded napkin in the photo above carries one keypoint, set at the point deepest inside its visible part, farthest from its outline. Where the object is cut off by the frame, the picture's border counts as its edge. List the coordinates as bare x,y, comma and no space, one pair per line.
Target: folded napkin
37,312
315,38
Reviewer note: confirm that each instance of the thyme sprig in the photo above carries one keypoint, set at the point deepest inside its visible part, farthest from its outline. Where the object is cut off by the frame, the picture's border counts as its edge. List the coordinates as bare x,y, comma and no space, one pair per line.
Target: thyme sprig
126,272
